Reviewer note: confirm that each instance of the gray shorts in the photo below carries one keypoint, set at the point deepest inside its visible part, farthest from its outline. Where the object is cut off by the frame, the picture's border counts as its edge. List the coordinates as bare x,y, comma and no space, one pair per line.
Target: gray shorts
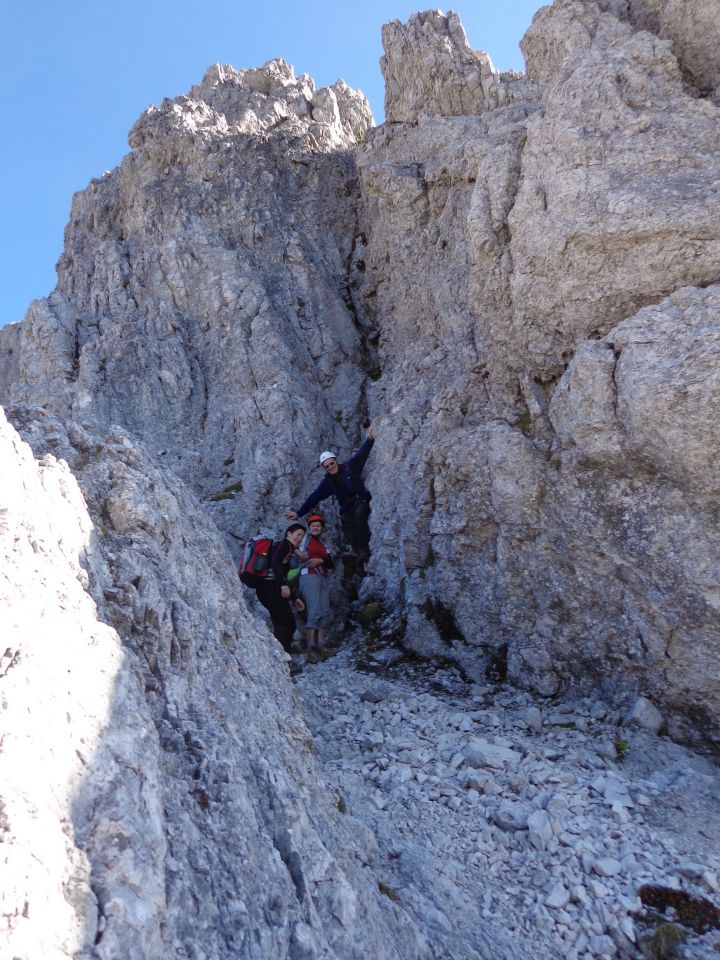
316,594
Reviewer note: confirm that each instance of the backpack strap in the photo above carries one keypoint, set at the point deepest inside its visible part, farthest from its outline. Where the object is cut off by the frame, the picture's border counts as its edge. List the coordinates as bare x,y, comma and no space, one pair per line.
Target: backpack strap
272,555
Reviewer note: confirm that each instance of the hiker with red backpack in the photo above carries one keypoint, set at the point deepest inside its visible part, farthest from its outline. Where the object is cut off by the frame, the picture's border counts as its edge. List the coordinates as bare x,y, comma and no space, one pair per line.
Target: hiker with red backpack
314,586
276,589
344,482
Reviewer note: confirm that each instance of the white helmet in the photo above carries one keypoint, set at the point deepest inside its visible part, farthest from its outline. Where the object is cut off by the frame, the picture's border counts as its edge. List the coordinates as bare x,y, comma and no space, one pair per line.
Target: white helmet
327,455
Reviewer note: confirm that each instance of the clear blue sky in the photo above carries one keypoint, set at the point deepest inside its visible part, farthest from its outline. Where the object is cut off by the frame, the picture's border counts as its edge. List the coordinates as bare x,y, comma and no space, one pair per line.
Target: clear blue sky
76,74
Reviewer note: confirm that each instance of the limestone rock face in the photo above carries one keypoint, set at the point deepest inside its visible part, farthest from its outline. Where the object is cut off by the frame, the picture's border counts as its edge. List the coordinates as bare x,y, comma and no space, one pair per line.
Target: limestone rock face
561,29
632,494
430,70
693,29
203,299
422,186
691,26
618,218
159,796
501,249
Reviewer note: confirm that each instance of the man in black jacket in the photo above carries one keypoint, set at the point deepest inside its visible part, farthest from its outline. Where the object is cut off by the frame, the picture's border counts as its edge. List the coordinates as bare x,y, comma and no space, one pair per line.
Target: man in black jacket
344,482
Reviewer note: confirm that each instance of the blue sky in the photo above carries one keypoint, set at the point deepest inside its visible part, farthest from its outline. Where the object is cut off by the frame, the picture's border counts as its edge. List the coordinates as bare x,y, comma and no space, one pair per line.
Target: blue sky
75,75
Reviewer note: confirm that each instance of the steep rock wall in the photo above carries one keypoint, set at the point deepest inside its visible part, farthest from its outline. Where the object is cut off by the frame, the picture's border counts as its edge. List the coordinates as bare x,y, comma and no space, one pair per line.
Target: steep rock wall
693,29
203,300
503,247
419,190
159,794
627,209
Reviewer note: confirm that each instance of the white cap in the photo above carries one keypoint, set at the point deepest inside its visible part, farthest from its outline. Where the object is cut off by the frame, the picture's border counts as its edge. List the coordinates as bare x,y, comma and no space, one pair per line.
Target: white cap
327,455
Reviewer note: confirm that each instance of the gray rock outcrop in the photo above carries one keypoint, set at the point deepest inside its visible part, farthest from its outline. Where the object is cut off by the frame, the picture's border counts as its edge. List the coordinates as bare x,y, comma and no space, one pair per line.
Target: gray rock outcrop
430,70
619,218
159,794
692,28
504,249
203,297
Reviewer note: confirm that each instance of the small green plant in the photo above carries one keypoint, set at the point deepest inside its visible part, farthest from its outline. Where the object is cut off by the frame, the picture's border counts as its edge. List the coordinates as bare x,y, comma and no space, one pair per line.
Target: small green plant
523,423
502,234
228,493
370,612
388,892
621,747
663,942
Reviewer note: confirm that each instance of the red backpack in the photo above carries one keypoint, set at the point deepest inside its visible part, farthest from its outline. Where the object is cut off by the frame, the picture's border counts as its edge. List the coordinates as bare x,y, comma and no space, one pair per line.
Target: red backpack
254,563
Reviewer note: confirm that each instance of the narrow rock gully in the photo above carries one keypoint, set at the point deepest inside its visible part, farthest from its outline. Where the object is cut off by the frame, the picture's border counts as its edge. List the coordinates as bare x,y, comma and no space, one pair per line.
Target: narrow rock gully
552,829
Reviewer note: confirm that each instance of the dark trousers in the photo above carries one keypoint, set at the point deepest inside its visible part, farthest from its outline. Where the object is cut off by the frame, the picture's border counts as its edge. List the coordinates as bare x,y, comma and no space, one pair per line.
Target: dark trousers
281,613
356,528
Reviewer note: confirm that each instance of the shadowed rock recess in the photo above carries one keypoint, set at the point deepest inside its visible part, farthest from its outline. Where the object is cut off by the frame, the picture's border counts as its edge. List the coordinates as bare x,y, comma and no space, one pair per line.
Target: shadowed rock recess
517,277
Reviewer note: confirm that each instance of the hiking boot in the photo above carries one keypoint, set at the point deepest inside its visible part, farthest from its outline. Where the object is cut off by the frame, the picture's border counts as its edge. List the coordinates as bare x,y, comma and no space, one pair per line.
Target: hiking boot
295,667
324,653
312,655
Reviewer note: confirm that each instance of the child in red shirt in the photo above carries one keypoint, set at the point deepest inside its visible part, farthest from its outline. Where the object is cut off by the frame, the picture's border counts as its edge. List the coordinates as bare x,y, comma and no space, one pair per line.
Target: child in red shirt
314,586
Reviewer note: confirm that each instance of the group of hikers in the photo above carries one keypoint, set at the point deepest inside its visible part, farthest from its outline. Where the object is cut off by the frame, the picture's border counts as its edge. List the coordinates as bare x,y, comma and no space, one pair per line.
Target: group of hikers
296,572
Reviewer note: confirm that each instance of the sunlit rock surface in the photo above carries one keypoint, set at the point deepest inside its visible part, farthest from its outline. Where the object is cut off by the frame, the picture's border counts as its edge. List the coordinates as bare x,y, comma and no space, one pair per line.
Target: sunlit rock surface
159,794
